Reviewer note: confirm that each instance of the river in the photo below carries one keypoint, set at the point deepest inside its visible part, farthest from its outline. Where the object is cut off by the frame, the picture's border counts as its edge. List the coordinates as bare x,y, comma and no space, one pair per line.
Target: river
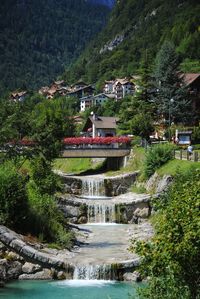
69,289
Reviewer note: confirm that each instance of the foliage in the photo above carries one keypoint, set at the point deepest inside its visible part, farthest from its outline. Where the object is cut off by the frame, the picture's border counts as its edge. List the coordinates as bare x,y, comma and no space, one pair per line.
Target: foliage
45,220
171,258
46,181
135,116
13,197
53,116
171,97
40,38
156,156
142,125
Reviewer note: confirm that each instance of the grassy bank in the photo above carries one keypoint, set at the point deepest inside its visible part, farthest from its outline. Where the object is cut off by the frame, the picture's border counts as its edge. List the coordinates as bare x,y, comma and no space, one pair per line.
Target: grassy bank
72,165
173,166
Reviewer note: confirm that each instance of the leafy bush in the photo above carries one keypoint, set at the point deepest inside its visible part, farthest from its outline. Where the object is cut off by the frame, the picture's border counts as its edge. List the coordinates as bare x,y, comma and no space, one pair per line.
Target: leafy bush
13,197
45,220
171,258
156,156
47,182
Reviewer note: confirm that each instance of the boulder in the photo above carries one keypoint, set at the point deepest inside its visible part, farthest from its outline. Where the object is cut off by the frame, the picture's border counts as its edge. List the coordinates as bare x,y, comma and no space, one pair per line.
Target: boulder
45,274
163,183
12,256
14,270
132,276
30,268
61,275
82,220
142,213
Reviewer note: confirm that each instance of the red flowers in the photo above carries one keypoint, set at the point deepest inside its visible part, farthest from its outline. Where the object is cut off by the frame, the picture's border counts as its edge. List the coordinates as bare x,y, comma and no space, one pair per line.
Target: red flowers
96,140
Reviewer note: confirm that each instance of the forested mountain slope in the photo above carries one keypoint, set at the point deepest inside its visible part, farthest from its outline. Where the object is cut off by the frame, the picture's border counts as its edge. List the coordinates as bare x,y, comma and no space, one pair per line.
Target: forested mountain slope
38,38
137,29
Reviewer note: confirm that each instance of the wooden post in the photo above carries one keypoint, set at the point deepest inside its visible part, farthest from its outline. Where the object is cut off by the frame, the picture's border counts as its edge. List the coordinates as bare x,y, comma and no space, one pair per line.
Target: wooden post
188,156
181,154
196,157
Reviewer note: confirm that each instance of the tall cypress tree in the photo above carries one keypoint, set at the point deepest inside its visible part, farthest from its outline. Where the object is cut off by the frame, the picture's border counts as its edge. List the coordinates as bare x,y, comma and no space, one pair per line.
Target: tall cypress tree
171,95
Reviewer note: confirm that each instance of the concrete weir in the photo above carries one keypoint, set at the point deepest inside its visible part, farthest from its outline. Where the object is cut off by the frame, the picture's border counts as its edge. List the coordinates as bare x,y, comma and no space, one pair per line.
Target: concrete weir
103,254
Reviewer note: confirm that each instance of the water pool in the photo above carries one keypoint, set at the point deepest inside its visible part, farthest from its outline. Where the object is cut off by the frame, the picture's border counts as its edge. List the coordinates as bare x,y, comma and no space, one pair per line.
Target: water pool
71,289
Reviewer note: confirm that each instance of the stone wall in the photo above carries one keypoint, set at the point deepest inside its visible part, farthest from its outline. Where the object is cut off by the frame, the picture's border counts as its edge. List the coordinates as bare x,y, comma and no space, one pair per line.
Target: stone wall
119,184
129,208
114,186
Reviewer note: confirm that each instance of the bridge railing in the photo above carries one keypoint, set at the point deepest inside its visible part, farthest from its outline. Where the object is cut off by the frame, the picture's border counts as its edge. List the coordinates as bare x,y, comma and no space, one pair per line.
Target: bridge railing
96,143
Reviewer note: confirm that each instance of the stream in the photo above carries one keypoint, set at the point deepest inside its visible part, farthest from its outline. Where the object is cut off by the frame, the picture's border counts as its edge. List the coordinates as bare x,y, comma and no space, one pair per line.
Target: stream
104,243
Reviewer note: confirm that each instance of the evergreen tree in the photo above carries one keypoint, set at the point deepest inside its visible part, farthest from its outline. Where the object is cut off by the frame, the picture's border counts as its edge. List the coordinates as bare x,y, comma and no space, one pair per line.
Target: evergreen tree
136,112
171,95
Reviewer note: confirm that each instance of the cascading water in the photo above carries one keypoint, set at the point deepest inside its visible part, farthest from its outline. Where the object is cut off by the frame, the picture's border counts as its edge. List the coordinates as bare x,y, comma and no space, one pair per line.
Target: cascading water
93,188
101,213
94,272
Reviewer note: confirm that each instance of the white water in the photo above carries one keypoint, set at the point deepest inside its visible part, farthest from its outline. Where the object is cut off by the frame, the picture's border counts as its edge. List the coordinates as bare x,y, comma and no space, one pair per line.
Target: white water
85,283
93,272
93,188
101,213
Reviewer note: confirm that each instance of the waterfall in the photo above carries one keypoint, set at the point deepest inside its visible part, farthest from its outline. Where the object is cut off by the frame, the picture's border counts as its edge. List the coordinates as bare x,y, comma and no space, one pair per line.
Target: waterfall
94,272
101,213
93,188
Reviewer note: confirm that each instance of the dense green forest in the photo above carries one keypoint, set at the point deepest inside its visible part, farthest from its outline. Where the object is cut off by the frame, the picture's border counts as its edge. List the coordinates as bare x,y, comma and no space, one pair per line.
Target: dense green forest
39,38
137,29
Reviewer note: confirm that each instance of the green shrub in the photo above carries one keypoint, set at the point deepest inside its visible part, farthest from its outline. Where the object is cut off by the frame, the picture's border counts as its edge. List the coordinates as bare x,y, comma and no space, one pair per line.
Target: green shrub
156,156
47,182
171,257
45,219
13,197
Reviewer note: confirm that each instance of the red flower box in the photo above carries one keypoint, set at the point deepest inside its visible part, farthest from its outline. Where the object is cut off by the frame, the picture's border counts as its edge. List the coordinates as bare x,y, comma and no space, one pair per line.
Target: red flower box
96,140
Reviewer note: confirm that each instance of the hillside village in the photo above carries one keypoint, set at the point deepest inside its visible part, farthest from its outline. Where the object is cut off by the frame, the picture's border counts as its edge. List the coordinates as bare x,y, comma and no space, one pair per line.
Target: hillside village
116,90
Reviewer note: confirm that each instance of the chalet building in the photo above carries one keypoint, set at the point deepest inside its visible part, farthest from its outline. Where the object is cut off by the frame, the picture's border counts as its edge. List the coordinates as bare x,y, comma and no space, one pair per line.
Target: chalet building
18,96
119,87
57,88
109,87
100,126
78,85
192,81
89,101
80,92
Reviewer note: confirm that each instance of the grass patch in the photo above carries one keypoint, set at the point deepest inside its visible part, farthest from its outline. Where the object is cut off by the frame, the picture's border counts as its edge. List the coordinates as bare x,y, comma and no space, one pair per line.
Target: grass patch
172,166
72,165
138,189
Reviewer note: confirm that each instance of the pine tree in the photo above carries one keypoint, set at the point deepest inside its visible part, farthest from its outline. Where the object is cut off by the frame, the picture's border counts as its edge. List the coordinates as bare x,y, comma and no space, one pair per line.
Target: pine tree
171,95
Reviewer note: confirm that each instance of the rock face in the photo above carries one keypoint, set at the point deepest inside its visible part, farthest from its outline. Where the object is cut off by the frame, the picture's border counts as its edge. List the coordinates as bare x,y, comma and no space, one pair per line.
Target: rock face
158,184
9,270
111,45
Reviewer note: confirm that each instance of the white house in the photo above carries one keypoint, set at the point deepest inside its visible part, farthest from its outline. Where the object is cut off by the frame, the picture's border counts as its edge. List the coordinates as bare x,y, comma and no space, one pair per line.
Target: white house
89,101
119,87
100,126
